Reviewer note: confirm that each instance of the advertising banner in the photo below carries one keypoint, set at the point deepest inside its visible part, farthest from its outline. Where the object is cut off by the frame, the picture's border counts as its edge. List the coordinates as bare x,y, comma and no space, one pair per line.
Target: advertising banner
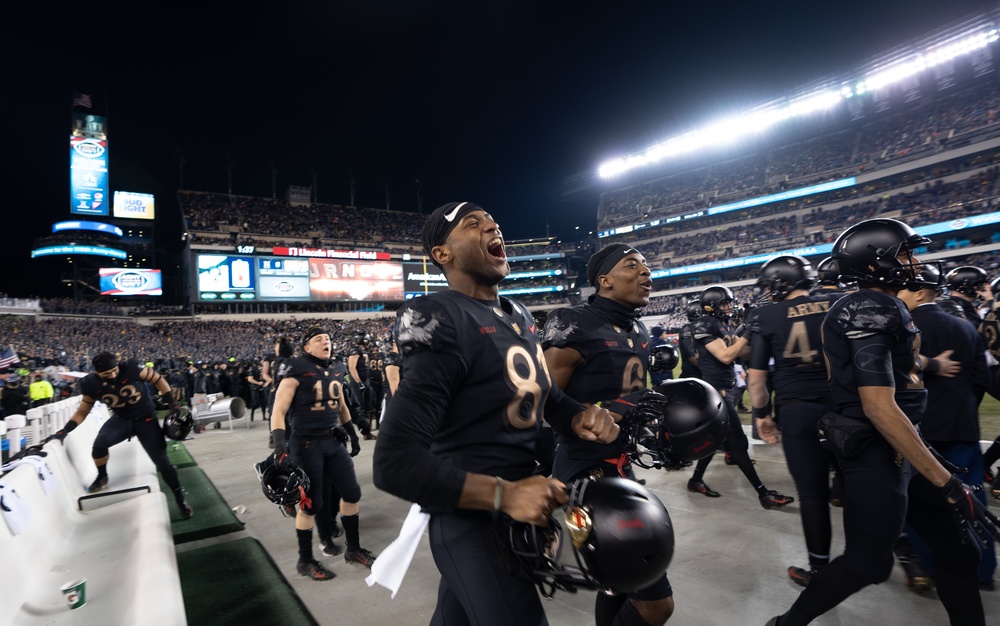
338,279
88,174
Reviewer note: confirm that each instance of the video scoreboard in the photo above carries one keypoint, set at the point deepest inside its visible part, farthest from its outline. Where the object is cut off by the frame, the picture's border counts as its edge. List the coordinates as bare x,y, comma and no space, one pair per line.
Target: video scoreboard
284,274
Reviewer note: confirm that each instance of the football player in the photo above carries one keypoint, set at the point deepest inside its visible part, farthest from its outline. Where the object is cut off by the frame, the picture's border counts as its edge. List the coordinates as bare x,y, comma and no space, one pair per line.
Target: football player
871,348
312,390
689,355
124,388
788,332
598,352
718,344
460,435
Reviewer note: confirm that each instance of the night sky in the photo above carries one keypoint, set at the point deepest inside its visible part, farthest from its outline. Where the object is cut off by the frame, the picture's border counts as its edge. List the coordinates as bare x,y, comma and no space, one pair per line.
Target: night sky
493,102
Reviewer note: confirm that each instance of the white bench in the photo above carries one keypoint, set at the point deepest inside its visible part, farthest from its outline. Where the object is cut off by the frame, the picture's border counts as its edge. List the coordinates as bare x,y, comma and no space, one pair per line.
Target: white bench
130,470
125,551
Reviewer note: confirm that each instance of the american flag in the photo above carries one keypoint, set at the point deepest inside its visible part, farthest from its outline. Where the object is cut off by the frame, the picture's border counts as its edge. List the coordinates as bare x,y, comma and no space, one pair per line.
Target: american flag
8,357
82,100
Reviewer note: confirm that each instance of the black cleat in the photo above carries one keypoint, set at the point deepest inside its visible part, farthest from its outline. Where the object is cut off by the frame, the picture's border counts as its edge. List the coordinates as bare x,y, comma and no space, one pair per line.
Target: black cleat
801,576
699,486
99,483
186,510
329,548
315,570
371,437
773,500
360,557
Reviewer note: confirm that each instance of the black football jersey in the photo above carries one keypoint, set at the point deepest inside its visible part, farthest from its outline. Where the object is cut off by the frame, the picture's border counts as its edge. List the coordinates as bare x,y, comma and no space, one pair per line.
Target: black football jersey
791,334
960,308
687,349
316,403
376,361
704,331
869,339
494,415
989,330
127,395
392,359
362,363
614,364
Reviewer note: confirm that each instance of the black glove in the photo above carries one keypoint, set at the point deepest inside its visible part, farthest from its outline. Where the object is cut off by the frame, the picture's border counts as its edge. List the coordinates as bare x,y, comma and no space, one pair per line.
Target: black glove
59,435
361,386
974,521
638,405
353,435
340,434
280,455
748,328
170,401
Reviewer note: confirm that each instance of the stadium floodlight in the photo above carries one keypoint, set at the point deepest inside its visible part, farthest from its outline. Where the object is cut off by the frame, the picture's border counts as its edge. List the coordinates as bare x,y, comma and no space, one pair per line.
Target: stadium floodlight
734,128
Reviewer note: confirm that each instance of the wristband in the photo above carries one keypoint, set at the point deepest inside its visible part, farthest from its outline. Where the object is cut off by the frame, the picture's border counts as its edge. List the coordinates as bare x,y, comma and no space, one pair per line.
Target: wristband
759,414
498,495
278,439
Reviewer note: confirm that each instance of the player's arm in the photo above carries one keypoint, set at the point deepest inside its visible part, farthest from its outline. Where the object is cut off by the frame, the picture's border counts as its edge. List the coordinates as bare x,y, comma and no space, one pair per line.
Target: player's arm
759,397
352,366
392,376
82,411
723,353
561,363
282,402
159,382
879,404
265,372
343,413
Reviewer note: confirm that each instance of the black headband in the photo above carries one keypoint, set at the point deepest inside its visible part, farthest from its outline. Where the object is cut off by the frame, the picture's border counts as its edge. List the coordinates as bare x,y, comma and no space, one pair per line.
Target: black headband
442,221
605,260
312,332
104,361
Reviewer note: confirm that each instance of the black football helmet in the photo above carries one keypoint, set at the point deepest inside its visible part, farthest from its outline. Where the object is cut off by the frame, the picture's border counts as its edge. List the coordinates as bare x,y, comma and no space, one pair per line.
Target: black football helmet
177,425
931,274
621,532
676,423
284,488
828,272
712,300
784,274
693,310
966,280
663,358
868,251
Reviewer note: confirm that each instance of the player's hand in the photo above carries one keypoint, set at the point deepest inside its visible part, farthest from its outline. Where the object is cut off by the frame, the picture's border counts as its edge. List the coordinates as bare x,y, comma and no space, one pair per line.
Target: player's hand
533,499
947,367
974,521
355,447
595,424
281,460
767,429
638,405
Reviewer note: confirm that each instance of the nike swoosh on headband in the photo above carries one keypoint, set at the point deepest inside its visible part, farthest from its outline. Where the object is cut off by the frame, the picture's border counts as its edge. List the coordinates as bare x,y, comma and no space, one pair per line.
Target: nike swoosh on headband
451,215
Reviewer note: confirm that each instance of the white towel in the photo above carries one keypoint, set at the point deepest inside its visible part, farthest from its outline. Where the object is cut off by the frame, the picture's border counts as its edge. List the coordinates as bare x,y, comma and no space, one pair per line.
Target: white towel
390,566
45,475
15,512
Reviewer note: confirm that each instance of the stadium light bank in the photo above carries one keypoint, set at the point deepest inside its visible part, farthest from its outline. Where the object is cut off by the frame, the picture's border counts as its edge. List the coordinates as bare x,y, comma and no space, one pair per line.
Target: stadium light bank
731,129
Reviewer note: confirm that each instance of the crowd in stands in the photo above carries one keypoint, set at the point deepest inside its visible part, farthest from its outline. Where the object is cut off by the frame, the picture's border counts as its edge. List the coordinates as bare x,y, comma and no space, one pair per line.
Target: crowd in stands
889,138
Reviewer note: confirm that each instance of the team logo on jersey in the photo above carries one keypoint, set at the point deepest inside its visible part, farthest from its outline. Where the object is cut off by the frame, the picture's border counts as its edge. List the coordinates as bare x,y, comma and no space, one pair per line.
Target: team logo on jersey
630,342
499,312
617,330
517,329
326,373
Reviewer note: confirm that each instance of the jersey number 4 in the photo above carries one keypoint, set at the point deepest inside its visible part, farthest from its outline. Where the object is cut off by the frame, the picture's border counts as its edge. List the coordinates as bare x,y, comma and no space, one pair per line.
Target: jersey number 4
797,346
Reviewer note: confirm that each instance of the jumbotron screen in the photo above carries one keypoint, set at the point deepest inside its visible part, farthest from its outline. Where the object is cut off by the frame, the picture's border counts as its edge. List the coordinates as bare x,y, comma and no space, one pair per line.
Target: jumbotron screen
235,277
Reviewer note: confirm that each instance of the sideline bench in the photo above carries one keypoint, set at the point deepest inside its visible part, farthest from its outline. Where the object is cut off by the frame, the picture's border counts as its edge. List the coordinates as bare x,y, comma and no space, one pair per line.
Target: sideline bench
124,550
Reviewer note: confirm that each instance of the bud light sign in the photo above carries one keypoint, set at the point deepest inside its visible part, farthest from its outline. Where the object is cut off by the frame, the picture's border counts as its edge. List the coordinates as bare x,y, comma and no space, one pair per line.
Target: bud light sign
133,206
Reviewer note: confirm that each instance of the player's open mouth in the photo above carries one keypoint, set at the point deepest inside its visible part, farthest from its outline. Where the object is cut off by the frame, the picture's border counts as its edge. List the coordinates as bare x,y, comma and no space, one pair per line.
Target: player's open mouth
495,248
646,286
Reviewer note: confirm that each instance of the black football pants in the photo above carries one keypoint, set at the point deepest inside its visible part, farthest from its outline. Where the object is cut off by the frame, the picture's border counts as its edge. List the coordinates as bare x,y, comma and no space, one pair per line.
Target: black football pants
474,588
879,497
149,434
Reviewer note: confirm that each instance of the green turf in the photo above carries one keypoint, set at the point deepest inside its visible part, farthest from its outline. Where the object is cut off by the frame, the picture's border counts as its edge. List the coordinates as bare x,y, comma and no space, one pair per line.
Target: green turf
237,582
212,514
179,455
